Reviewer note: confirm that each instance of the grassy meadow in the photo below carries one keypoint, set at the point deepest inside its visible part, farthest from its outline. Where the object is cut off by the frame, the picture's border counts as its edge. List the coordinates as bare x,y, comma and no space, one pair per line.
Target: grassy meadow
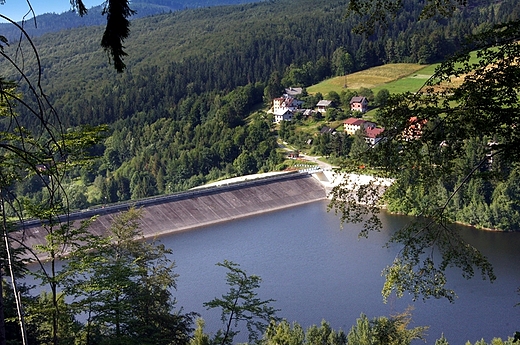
398,77
412,82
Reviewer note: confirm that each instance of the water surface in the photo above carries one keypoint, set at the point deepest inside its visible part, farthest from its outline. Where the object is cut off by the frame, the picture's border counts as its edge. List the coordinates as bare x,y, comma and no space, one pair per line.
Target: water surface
314,271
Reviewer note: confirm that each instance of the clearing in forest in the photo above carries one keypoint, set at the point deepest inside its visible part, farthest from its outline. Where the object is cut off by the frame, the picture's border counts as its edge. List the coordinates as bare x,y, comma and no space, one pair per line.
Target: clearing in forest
397,77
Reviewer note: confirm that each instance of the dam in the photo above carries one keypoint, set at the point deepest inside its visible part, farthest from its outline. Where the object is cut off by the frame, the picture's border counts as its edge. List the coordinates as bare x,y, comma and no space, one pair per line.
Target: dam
198,207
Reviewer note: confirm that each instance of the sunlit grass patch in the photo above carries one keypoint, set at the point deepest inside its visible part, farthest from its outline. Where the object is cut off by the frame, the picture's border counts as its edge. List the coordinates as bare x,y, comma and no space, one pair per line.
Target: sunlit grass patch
370,78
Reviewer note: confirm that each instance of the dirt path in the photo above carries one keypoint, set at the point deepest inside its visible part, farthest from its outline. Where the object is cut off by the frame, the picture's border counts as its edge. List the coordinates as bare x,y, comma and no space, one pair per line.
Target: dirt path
314,159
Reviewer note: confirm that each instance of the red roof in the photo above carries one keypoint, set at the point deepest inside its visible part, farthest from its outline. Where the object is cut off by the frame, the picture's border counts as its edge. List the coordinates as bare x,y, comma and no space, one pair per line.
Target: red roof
414,120
373,132
354,121
414,129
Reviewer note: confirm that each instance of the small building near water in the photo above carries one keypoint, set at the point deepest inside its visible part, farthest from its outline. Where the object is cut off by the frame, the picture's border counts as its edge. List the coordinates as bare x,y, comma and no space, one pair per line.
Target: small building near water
293,155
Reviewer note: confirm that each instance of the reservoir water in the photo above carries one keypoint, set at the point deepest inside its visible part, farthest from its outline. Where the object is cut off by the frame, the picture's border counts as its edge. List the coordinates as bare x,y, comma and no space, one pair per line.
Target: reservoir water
315,270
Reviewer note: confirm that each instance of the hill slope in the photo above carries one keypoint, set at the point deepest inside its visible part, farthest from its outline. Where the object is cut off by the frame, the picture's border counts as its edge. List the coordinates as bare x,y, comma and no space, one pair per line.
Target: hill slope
53,22
179,115
372,78
194,51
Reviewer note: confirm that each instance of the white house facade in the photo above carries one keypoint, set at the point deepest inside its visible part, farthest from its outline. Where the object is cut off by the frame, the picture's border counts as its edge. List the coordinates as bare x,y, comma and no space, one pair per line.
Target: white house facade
283,115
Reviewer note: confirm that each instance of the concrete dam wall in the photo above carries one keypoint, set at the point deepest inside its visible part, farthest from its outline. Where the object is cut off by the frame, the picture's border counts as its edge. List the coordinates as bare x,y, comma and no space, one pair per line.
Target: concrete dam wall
196,208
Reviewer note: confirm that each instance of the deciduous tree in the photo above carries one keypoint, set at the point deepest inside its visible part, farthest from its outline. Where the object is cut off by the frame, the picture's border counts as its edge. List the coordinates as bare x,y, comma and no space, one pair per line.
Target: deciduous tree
43,154
241,304
283,333
425,136
384,331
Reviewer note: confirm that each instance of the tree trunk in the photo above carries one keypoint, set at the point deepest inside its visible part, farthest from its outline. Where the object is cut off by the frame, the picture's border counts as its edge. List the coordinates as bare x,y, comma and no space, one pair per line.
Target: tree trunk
3,341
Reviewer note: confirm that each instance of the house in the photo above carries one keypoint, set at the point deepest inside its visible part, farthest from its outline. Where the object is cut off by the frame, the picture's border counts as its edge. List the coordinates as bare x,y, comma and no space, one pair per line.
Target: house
414,128
297,103
293,155
307,113
284,103
284,108
323,105
359,103
352,125
371,132
327,130
373,135
283,115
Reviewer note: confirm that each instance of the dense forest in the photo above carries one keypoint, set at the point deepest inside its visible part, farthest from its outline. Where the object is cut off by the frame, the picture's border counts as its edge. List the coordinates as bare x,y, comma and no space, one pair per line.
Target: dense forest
54,22
187,109
489,199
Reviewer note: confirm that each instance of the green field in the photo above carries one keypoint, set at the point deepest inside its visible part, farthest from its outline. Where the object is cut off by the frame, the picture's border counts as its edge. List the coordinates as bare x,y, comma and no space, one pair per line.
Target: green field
412,82
396,78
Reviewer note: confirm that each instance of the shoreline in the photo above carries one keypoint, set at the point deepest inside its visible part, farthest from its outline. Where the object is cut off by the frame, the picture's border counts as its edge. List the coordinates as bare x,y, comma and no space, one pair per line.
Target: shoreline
198,208
353,181
163,234
210,223
456,223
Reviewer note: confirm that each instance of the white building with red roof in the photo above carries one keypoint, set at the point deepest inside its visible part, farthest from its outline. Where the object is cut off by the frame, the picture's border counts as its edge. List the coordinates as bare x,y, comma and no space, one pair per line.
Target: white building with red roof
284,108
373,135
371,132
352,125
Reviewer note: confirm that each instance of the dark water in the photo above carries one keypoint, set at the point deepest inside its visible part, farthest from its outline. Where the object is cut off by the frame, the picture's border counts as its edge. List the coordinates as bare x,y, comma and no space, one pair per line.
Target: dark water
316,271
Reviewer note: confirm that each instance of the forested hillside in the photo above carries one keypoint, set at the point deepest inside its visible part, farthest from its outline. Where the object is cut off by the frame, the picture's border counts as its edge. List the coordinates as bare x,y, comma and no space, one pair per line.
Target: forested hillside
218,49
54,22
180,114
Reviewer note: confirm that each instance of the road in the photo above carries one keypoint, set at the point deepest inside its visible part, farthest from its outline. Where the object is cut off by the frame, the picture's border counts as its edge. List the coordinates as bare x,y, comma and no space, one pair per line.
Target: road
314,159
